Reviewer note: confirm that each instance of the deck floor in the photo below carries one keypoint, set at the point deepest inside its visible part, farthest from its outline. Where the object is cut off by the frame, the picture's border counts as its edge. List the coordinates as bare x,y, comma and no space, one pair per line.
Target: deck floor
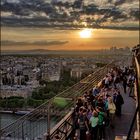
122,124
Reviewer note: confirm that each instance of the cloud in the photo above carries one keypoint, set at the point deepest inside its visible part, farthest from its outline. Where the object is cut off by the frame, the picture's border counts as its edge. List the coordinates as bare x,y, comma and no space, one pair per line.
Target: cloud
64,14
36,43
135,13
119,2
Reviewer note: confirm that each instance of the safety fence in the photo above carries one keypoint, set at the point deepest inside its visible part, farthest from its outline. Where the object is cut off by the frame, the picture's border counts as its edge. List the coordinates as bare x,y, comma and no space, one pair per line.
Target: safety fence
54,117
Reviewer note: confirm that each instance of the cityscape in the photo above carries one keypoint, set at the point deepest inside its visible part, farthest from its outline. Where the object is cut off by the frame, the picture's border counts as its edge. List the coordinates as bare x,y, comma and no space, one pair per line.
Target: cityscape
70,70
20,75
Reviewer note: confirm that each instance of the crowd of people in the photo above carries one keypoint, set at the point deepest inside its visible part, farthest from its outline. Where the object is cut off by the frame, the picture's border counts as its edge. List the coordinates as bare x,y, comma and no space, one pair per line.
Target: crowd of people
96,109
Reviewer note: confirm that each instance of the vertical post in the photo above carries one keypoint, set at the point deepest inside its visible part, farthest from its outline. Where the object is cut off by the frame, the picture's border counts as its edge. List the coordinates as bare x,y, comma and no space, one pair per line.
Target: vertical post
73,118
22,131
48,121
74,102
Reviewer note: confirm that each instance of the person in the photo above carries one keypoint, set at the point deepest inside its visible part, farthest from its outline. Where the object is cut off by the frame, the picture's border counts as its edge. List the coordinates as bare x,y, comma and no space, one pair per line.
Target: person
131,81
89,112
94,125
107,81
100,102
101,128
114,92
83,123
106,105
112,109
118,80
76,116
79,103
119,102
95,91
124,83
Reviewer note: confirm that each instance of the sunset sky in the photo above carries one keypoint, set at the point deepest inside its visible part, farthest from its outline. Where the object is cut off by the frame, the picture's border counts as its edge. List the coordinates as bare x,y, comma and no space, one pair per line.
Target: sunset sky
56,25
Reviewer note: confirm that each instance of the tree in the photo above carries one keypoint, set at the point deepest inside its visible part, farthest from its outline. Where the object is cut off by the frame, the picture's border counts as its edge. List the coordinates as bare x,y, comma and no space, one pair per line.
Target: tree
100,64
52,88
12,102
3,103
34,103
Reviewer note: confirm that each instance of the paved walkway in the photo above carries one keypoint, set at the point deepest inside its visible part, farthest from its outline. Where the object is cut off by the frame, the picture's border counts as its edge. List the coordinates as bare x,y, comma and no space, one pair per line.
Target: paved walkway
122,124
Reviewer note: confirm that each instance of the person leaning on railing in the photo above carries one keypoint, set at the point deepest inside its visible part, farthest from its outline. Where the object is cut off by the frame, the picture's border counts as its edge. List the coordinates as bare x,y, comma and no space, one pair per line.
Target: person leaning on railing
94,125
85,119
83,123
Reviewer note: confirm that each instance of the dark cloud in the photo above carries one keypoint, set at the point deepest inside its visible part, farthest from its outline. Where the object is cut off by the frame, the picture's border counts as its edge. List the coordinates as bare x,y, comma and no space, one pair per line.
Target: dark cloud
78,4
115,15
135,13
90,9
65,14
119,2
120,28
27,5
110,1
65,26
36,43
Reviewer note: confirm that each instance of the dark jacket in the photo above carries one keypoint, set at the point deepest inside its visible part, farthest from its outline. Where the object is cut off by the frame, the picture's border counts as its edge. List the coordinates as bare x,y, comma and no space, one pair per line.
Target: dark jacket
119,100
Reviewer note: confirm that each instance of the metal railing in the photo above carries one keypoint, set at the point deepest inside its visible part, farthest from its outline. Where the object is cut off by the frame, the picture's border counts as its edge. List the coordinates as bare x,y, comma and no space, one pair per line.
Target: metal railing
44,118
63,129
136,118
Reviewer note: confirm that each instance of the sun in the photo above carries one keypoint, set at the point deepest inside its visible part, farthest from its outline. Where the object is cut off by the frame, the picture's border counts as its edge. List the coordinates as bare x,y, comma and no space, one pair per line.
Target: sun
85,33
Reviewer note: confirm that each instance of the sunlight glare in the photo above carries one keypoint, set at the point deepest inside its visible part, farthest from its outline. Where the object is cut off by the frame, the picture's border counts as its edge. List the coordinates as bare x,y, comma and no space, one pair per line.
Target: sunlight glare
85,33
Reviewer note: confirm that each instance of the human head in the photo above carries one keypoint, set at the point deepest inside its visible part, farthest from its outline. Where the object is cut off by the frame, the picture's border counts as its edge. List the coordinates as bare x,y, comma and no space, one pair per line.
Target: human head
95,114
110,100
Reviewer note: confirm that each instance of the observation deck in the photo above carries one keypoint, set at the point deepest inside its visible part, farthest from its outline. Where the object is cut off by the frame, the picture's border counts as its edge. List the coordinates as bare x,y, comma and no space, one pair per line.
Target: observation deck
58,119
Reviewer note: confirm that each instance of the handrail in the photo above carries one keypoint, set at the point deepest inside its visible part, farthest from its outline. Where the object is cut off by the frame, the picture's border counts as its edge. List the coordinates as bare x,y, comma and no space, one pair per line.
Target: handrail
58,125
78,88
62,124
136,50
